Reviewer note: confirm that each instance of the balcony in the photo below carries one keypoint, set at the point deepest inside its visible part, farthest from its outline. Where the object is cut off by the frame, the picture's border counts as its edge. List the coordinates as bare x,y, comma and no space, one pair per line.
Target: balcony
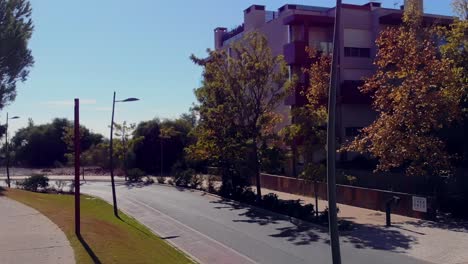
295,53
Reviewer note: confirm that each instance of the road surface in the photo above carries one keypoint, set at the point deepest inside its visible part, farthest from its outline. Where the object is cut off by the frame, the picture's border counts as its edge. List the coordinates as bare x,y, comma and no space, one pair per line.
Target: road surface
214,230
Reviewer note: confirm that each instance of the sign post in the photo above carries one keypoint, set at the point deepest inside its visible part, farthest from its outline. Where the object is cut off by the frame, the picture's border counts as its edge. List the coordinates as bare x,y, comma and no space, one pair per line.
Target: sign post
77,166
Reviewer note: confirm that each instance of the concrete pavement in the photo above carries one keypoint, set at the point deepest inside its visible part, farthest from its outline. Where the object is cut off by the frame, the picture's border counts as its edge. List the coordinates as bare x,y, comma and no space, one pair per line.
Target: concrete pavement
214,230
26,236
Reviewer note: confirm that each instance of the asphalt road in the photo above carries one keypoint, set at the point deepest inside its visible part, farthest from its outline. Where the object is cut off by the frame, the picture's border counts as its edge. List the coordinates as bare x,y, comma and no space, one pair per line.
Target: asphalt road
213,230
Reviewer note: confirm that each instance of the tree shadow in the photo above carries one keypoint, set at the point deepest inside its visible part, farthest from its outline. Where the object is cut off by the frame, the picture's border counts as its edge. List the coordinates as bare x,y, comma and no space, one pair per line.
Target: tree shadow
300,232
299,235
378,237
134,185
445,223
89,250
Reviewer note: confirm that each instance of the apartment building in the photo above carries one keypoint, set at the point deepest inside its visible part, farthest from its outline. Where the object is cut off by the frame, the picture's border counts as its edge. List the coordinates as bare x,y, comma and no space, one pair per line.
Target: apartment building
292,28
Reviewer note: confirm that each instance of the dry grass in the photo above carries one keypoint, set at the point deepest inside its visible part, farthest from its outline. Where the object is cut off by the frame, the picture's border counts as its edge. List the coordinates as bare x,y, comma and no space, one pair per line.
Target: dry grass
105,238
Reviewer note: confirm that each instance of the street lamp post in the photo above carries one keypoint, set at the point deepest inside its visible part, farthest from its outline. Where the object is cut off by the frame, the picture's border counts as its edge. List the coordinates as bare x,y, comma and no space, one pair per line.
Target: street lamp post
7,151
331,138
111,150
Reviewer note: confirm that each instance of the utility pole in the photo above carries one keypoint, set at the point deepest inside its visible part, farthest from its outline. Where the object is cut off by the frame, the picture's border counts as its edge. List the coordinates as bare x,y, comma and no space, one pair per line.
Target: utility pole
111,149
7,149
77,167
111,159
7,152
331,138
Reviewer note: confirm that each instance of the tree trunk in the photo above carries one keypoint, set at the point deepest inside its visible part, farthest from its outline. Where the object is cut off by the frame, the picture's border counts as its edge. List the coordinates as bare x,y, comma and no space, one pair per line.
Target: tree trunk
257,170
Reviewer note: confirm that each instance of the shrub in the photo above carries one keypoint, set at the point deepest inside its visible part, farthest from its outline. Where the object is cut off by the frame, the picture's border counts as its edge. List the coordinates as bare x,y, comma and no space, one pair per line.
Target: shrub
196,181
170,182
149,180
35,182
270,201
211,187
184,178
72,187
248,196
135,175
161,180
60,185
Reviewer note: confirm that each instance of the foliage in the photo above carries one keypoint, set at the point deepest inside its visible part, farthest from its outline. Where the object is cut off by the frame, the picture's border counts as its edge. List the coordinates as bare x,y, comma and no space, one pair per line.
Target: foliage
123,145
273,159
310,120
313,172
236,106
97,155
161,180
40,145
49,144
413,82
170,136
184,177
135,174
16,29
196,181
88,139
34,182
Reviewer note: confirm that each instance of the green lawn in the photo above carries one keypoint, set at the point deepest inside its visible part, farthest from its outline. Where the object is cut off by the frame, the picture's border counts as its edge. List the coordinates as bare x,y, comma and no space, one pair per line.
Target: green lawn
105,238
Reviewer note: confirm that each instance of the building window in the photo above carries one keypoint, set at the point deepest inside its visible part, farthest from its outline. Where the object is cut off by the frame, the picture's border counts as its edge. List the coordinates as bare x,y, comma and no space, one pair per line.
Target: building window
357,52
352,131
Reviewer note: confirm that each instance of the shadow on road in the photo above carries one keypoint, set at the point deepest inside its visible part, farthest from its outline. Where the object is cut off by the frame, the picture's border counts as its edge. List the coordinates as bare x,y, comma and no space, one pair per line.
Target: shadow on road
445,223
89,250
303,233
378,237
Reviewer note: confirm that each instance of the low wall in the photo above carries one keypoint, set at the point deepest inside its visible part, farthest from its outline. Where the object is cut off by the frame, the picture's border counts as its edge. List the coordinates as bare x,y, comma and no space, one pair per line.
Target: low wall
350,195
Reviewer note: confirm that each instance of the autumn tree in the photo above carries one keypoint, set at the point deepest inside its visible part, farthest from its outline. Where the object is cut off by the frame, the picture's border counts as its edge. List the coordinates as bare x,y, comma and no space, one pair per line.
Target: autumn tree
416,93
240,93
16,29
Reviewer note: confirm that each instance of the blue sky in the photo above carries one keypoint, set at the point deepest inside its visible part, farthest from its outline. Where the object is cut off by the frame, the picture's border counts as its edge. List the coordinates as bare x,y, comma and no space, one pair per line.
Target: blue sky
87,49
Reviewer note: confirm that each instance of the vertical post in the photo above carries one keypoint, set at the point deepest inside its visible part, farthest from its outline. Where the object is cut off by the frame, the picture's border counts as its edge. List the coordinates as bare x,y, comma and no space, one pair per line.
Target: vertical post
316,198
7,153
331,138
388,210
111,159
77,166
161,142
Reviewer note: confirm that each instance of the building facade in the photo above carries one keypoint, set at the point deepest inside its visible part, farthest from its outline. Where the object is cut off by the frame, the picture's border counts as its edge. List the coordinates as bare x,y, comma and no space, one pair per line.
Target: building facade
292,28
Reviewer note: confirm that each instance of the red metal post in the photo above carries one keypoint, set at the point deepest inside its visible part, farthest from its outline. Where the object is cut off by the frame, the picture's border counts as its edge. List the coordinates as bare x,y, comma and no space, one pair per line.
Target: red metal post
77,166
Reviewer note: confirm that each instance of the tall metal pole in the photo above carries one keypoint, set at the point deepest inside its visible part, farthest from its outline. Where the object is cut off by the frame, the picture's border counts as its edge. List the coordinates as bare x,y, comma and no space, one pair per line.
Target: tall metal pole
77,166
7,152
111,158
161,141
331,139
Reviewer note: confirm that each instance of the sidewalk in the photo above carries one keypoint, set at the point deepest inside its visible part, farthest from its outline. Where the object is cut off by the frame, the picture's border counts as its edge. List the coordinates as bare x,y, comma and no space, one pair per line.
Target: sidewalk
435,242
26,236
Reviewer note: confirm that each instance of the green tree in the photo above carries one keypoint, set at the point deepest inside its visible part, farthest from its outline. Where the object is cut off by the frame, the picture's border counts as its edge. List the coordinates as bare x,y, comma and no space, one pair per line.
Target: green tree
237,101
88,139
41,145
170,135
16,29
124,143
